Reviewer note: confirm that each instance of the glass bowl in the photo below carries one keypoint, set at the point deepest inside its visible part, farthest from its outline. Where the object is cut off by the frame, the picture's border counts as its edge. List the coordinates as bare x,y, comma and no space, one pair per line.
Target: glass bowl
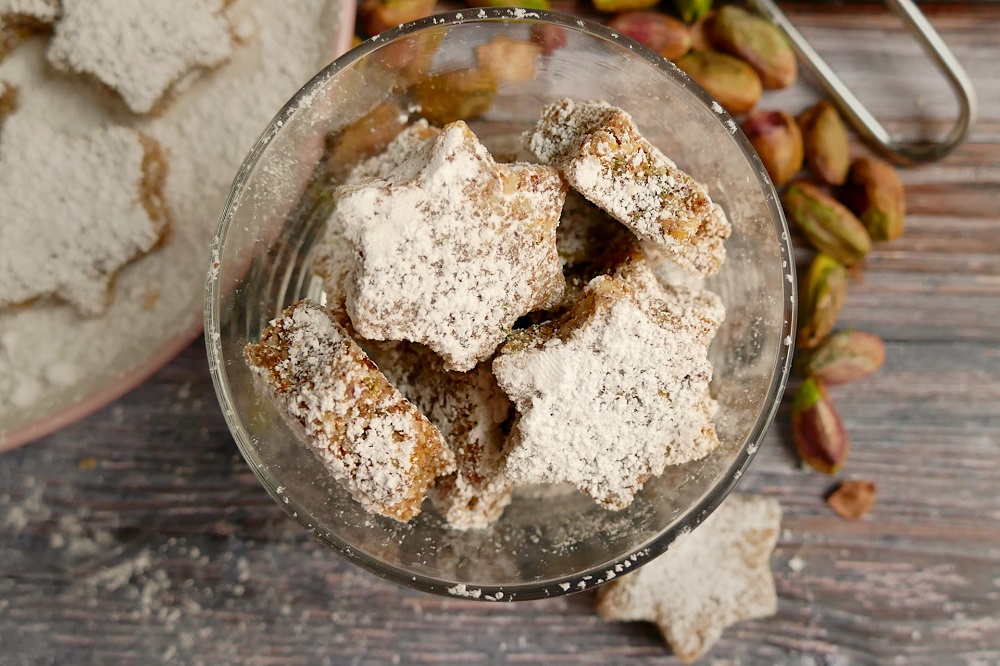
550,541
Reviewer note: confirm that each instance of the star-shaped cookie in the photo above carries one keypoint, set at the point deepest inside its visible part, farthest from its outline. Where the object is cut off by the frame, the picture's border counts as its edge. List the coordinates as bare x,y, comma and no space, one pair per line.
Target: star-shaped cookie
76,209
141,48
599,150
614,390
452,248
709,579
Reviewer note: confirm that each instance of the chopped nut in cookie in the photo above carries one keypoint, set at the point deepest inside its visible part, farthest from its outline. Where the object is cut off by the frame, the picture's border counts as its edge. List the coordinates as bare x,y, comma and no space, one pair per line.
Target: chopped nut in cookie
599,150
362,429
613,391
109,210
141,48
472,413
452,248
709,579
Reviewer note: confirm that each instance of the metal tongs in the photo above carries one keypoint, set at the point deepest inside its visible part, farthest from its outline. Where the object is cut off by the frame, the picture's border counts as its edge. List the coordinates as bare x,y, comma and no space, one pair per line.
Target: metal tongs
851,107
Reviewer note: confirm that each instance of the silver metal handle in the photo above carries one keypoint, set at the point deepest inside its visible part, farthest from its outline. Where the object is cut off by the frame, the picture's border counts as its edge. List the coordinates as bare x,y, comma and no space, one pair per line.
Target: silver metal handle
855,112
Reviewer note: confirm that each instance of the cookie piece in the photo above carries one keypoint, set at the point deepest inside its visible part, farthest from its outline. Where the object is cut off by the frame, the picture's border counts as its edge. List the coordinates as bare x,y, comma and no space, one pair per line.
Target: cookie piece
599,150
109,210
472,413
141,48
364,432
452,248
333,256
709,579
612,392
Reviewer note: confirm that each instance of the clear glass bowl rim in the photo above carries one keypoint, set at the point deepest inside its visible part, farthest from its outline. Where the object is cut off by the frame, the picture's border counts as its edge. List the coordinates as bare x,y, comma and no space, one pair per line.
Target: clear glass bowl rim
527,590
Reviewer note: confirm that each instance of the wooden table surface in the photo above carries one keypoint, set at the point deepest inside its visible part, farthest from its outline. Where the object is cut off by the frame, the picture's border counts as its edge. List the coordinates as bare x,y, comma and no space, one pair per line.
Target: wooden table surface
139,535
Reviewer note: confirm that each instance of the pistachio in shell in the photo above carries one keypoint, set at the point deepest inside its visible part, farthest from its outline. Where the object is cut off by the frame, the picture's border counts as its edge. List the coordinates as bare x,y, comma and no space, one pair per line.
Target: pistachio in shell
664,34
777,139
819,433
732,82
823,293
828,224
875,192
845,356
757,41
825,138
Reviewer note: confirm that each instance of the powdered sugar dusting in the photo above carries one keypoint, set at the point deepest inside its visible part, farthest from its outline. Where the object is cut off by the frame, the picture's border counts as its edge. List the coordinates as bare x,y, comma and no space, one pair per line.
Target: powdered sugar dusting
453,248
601,153
71,245
140,48
158,300
42,11
470,410
366,434
714,576
611,393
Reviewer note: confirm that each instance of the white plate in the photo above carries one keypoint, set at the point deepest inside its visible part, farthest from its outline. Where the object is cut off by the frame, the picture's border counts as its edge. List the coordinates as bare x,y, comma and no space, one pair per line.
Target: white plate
56,367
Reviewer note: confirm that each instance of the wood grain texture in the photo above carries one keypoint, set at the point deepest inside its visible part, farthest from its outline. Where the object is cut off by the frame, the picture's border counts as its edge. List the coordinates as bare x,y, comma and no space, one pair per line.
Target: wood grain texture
140,536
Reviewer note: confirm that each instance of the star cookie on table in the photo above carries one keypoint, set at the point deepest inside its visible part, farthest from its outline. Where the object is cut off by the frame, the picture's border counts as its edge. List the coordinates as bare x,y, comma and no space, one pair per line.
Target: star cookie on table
471,412
452,247
599,150
366,434
709,579
613,391
76,209
141,48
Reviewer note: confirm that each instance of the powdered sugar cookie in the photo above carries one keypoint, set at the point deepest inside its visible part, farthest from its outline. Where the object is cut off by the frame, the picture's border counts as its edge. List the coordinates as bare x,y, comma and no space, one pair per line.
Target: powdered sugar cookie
610,393
76,209
709,579
141,48
599,150
362,429
30,13
471,412
333,256
452,248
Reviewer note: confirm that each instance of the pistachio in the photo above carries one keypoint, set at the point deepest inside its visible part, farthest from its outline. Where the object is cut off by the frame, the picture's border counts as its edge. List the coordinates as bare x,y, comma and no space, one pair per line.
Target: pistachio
692,10
819,434
852,499
875,193
823,293
845,356
828,225
379,15
825,137
699,33
509,60
778,142
729,80
757,41
550,37
664,34
615,6
456,95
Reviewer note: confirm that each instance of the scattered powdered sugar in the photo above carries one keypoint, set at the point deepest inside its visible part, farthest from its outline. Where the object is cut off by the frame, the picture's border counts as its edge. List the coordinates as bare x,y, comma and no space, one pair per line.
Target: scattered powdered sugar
363,430
715,576
452,248
461,590
72,245
611,393
599,150
206,132
140,48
